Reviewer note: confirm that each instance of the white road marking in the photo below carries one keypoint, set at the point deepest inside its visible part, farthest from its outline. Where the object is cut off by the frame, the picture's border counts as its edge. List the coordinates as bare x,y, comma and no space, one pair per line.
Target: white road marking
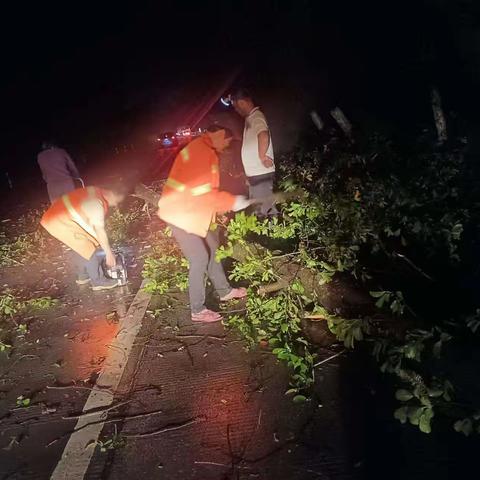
79,449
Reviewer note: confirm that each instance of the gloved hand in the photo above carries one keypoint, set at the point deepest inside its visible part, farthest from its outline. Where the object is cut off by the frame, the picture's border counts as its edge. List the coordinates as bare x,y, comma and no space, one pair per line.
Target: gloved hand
241,202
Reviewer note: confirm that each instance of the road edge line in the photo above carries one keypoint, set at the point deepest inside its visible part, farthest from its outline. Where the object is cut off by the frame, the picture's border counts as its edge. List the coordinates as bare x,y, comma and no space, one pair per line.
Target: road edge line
80,447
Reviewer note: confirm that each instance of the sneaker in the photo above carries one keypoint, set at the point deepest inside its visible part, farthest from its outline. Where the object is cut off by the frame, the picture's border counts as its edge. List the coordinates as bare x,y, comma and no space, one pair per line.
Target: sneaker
82,279
234,293
105,284
206,316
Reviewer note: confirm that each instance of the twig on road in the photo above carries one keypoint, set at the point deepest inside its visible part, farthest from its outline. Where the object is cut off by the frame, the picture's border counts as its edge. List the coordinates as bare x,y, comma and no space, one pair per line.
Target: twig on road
97,411
214,337
328,359
30,422
22,357
81,387
212,463
168,428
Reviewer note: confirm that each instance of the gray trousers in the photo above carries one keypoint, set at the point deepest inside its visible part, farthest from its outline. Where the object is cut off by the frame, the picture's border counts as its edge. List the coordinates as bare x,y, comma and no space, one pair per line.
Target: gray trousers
200,253
261,186
91,267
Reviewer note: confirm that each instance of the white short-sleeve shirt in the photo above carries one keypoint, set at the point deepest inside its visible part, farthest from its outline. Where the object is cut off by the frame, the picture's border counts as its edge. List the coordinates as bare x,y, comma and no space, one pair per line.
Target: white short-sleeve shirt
254,124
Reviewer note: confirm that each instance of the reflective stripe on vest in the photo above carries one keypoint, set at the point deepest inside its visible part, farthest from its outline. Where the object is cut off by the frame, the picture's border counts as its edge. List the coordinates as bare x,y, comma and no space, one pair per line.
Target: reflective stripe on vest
214,168
185,155
179,187
76,217
201,189
195,191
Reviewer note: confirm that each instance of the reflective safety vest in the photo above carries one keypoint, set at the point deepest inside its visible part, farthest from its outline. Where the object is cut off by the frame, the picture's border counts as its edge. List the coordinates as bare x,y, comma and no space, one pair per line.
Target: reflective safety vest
69,206
190,197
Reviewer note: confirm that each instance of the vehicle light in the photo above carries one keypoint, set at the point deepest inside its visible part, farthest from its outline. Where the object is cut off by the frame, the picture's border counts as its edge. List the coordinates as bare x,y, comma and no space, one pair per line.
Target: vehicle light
226,101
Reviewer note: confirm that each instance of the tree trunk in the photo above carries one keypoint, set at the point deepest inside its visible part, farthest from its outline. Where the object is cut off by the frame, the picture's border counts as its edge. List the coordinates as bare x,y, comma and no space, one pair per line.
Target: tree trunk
439,117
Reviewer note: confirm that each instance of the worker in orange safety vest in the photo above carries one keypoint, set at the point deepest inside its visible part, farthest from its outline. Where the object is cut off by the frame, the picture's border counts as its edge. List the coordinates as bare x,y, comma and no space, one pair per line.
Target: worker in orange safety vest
77,219
189,203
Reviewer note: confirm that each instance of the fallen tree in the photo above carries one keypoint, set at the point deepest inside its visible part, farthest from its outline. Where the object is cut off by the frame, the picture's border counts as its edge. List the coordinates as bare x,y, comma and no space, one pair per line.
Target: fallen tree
343,260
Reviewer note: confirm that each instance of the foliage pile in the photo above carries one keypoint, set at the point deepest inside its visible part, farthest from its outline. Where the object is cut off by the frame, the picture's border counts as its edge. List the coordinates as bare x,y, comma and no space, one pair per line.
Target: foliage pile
18,250
24,240
164,268
122,224
369,214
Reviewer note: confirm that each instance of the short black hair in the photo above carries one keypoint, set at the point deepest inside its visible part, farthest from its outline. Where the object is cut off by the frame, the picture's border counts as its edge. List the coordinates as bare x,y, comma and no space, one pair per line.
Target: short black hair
46,144
241,94
216,128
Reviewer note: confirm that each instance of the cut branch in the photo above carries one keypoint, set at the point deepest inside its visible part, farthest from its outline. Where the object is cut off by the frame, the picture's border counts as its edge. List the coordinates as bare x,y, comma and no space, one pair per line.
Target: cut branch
147,194
168,428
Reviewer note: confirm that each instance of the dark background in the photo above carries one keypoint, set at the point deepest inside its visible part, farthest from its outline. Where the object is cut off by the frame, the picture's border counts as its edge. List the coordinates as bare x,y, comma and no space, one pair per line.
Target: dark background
93,76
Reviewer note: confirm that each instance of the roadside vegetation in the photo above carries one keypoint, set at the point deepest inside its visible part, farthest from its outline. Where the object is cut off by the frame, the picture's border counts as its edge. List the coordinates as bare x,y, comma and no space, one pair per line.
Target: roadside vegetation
22,240
13,310
399,229
122,224
397,224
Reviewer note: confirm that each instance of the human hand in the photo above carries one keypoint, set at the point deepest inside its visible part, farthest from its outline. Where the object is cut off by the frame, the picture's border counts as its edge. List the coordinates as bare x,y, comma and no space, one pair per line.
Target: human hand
267,161
110,259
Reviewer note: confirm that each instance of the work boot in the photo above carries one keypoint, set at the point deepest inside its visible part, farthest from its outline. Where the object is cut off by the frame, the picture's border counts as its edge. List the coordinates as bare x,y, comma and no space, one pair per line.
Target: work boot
82,279
104,284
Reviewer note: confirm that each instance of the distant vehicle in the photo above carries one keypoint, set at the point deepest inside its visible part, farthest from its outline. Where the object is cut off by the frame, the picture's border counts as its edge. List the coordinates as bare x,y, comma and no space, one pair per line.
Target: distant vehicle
187,132
184,132
168,140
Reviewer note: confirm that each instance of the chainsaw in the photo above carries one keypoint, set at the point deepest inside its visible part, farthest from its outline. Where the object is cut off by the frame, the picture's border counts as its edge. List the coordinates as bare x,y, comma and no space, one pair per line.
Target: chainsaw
119,271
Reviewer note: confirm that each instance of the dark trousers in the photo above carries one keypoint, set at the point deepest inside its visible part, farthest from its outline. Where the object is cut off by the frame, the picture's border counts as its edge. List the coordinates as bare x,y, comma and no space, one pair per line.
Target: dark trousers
200,253
91,267
261,187
58,189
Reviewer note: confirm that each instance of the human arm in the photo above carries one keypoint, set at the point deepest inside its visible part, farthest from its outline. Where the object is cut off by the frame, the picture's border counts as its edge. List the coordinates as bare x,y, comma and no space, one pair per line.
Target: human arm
263,144
102,238
71,166
93,208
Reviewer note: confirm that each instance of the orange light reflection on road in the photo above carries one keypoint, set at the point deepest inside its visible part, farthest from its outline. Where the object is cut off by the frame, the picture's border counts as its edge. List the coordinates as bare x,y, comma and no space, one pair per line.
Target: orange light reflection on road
89,347
225,401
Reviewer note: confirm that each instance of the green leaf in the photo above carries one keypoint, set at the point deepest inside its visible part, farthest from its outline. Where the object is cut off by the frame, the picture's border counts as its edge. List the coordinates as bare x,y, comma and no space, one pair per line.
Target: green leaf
464,426
435,392
414,414
381,301
299,399
401,414
403,395
425,421
437,349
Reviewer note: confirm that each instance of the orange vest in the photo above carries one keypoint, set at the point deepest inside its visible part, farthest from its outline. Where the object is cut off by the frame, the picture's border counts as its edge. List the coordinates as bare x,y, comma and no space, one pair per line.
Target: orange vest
69,206
190,197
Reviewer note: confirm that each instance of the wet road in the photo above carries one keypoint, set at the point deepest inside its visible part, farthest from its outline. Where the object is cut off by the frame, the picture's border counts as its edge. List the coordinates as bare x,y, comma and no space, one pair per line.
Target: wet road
216,412
191,404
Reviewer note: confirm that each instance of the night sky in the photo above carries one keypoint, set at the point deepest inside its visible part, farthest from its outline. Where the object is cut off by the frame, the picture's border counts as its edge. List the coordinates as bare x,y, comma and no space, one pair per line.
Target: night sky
93,73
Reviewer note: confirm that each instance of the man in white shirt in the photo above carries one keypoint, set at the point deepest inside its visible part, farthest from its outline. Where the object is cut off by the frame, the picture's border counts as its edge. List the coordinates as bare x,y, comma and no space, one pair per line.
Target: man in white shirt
257,151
